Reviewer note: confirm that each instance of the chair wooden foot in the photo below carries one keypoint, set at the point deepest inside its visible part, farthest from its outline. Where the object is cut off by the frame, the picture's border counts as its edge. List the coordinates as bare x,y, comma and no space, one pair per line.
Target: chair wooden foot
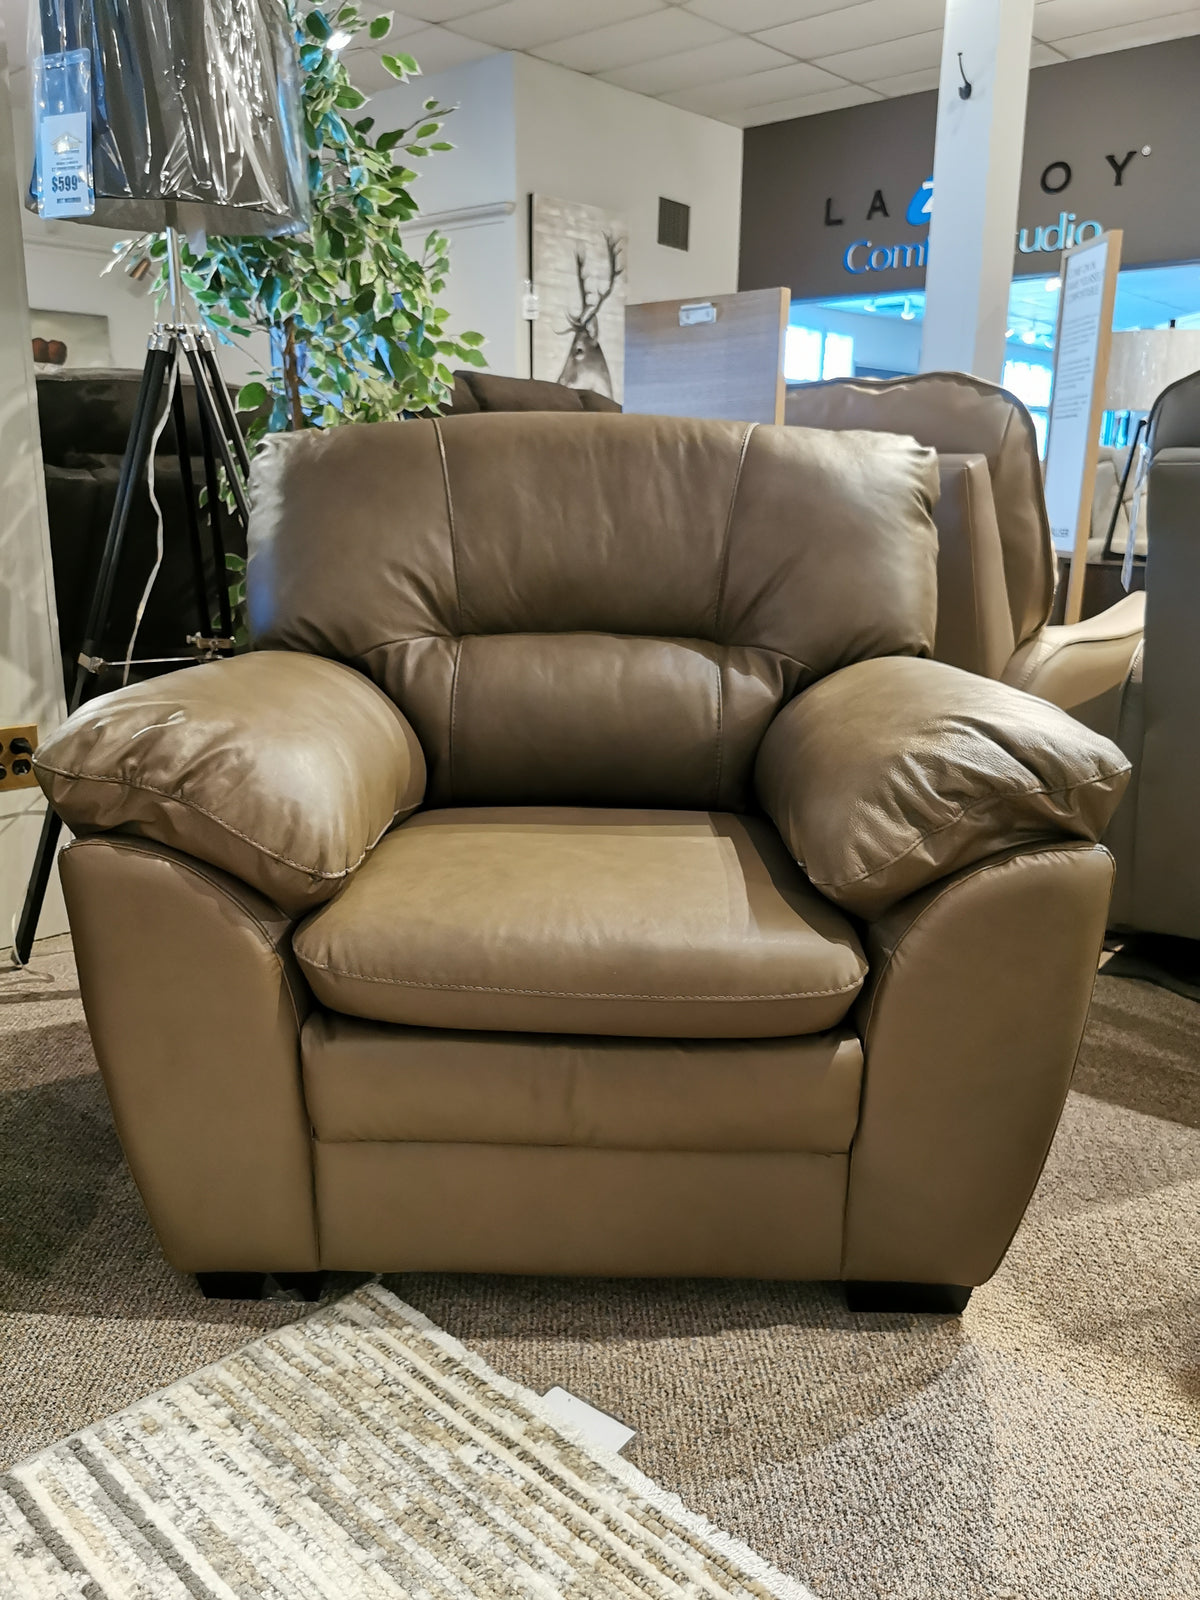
945,1299
231,1285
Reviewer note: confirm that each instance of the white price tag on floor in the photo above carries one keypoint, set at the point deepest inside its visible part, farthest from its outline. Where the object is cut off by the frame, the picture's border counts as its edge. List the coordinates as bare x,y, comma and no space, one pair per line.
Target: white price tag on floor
596,1426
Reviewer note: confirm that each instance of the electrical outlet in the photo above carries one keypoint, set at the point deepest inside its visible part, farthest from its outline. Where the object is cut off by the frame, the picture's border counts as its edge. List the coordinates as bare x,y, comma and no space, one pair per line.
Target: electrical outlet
16,758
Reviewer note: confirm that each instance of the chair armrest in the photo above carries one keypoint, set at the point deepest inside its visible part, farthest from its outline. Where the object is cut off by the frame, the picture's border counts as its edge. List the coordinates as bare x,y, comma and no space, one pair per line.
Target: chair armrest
893,773
1073,664
281,768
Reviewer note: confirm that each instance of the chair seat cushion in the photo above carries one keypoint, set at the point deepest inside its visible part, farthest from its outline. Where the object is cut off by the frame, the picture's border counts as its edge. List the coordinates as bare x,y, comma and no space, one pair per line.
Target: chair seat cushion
561,920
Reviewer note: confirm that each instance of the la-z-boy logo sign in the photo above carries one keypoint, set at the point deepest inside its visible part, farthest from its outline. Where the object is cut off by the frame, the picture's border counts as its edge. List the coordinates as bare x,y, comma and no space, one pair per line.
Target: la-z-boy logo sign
864,256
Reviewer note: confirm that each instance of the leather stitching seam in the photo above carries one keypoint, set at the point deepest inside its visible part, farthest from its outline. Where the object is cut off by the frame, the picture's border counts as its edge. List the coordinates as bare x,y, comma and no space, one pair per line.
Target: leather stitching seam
870,872
720,732
441,444
191,805
458,655
724,568
565,994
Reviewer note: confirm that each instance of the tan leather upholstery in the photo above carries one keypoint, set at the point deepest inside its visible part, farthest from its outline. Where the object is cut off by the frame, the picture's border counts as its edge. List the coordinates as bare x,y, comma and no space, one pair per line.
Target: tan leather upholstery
1064,663
584,1013
889,775
518,624
194,1005
366,1081
1080,666
392,1207
971,1023
958,415
282,769
974,625
662,924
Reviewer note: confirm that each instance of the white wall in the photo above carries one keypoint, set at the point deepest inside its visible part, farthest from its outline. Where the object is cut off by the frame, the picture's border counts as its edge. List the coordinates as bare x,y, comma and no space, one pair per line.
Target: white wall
527,127
581,139
470,194
30,674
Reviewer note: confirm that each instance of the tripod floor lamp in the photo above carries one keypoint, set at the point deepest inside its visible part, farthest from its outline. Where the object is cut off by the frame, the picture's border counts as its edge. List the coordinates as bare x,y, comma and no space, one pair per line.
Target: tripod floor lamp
165,119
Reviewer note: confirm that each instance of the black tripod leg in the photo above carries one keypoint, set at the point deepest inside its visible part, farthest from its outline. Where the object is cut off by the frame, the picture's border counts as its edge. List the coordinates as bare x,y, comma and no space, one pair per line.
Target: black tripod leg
208,409
137,451
187,484
212,483
229,422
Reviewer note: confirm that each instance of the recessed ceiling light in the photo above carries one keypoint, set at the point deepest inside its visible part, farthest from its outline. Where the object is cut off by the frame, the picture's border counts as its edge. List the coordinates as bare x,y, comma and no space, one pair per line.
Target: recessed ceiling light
1052,285
1029,337
339,39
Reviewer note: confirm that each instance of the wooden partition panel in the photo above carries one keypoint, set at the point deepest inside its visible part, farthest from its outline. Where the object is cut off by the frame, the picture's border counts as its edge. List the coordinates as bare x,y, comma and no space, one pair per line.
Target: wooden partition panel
728,365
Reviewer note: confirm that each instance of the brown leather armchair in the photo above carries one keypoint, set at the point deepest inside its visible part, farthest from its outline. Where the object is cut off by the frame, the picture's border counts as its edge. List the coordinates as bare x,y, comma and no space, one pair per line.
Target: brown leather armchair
587,872
1158,869
996,563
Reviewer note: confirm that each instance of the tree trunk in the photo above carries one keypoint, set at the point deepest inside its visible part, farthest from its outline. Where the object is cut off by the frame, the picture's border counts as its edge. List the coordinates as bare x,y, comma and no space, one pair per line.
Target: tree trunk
291,377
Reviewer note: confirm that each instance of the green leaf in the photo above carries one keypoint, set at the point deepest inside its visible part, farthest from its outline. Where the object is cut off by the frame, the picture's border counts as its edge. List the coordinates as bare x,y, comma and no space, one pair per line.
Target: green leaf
381,26
251,396
350,98
470,338
427,130
318,25
474,358
396,65
442,144
289,301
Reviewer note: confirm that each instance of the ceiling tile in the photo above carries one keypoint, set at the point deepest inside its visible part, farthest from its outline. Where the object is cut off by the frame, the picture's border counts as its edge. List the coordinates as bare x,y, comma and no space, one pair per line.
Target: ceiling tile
804,105
522,24
1151,30
1062,19
908,82
445,10
728,58
756,89
748,16
665,32
437,49
887,60
852,27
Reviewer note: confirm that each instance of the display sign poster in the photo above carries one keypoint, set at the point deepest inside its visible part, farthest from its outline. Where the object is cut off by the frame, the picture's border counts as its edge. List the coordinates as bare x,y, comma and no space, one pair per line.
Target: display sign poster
1081,346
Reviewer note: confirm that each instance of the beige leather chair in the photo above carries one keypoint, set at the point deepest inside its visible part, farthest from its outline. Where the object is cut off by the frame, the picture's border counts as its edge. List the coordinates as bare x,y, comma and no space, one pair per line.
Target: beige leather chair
1155,835
996,563
587,872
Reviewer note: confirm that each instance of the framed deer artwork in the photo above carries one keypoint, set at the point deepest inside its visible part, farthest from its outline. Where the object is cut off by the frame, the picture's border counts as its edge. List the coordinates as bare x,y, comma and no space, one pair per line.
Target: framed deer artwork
578,261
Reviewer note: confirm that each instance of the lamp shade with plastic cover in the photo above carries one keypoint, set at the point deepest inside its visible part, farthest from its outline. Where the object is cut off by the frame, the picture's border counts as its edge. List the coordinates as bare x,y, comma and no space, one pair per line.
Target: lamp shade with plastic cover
188,112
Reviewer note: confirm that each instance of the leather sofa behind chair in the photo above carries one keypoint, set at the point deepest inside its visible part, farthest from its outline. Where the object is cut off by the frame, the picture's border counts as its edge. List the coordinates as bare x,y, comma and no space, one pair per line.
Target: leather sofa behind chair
587,872
1155,835
996,563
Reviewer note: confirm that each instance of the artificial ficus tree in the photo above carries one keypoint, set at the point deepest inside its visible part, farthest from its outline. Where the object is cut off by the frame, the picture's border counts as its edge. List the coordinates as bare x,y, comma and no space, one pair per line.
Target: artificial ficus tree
356,332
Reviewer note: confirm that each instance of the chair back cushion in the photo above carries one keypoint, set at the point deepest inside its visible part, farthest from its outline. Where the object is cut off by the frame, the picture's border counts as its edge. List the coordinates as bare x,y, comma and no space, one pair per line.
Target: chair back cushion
592,609
956,414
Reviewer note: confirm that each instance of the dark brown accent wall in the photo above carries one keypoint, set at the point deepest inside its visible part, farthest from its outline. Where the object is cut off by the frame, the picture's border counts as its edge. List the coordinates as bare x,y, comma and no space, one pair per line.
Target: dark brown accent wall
1079,113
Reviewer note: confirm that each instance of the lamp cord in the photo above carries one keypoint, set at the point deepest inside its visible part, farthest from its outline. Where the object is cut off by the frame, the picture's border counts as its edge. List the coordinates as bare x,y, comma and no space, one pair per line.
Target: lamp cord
172,380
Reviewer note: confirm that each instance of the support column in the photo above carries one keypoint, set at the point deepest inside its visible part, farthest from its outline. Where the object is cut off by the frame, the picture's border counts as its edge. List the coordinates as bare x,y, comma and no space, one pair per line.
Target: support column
31,688
976,180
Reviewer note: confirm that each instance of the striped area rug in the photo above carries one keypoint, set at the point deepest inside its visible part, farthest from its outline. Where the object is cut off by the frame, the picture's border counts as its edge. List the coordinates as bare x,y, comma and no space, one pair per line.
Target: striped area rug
359,1454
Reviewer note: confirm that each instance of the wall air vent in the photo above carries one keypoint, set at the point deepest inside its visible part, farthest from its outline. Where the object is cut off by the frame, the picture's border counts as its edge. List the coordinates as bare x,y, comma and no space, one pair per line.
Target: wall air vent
674,221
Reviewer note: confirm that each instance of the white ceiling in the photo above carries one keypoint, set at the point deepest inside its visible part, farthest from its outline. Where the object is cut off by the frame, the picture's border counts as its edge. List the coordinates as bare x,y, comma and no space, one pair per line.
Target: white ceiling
751,61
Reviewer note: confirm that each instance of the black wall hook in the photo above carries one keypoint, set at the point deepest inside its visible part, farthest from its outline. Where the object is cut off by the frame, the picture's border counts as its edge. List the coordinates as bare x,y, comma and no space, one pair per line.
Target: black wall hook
965,87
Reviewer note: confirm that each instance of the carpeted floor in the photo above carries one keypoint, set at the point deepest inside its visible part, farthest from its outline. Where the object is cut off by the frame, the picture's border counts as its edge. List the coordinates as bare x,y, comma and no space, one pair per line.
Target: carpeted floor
1045,1447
